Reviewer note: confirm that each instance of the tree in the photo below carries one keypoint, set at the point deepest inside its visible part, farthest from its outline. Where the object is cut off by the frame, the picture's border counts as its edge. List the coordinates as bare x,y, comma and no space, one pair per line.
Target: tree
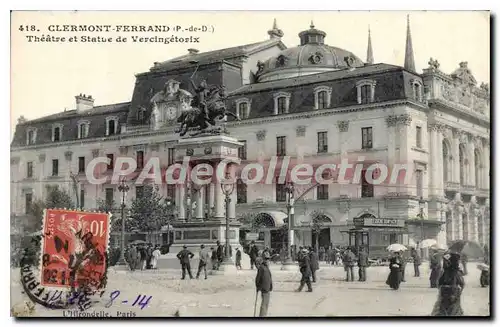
58,198
150,212
317,223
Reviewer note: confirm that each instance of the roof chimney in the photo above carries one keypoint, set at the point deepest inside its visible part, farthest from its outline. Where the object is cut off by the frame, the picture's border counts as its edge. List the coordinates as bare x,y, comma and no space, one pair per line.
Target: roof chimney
193,51
84,102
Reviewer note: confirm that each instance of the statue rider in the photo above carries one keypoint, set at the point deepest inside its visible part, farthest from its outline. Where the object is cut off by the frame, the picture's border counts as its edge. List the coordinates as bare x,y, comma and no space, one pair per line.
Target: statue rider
202,93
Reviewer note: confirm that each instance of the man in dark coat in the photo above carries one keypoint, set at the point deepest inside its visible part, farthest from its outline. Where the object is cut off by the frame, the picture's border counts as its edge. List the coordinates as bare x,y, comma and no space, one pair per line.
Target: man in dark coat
264,284
305,270
184,256
313,257
348,261
132,257
362,264
254,253
220,254
238,259
202,265
214,258
416,262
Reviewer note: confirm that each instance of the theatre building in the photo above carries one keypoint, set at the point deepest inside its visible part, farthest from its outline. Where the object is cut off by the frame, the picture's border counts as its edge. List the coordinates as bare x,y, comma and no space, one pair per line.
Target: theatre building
314,102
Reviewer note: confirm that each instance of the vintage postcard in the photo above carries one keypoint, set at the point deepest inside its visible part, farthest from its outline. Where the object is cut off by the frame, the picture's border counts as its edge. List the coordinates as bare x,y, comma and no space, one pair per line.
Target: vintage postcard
187,164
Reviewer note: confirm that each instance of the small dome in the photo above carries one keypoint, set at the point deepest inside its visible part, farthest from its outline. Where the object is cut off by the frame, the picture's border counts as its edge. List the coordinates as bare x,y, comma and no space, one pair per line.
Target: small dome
312,56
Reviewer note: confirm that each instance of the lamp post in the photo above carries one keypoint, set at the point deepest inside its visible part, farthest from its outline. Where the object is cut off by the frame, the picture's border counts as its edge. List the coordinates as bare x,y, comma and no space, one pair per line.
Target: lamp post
227,187
421,204
168,203
289,189
123,188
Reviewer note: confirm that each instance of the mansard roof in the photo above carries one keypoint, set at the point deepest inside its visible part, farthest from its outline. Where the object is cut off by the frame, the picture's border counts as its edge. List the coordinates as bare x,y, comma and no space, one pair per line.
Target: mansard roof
216,55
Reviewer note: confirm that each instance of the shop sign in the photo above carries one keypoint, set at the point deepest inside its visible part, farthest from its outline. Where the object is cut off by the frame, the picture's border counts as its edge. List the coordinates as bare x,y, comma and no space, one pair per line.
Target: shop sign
379,222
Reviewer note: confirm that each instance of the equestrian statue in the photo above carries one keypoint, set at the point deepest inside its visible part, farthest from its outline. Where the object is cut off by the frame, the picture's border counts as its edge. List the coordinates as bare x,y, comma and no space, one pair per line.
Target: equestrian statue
207,106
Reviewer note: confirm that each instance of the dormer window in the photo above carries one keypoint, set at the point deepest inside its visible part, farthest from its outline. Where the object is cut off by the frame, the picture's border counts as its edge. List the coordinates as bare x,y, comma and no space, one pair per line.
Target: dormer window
243,108
83,129
281,103
322,96
111,126
141,115
366,91
417,90
57,133
31,136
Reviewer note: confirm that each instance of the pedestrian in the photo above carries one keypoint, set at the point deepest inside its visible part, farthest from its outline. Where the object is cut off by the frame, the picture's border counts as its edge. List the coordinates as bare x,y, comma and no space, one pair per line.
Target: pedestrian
214,258
220,254
144,256
305,270
451,284
184,256
132,257
264,284
435,265
266,250
138,258
149,256
348,260
238,259
321,253
362,264
155,257
313,257
416,262
463,260
204,257
486,254
403,266
394,278
254,252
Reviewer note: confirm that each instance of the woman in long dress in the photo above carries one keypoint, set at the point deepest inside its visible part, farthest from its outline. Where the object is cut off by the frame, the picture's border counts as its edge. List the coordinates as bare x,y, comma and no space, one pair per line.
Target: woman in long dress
451,284
435,265
394,278
154,258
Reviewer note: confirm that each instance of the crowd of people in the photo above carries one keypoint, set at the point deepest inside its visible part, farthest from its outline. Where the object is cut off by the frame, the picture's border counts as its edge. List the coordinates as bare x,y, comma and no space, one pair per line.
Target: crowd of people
143,256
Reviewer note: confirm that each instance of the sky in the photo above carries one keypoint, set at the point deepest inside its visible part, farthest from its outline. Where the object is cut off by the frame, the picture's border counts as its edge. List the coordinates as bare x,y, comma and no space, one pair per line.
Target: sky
45,76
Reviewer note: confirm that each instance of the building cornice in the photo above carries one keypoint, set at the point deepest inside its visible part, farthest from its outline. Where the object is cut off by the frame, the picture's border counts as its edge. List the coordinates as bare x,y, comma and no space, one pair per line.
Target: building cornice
458,110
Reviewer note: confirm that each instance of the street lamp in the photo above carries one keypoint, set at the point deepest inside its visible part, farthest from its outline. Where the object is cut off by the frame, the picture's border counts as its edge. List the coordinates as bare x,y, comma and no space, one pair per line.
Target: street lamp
421,204
227,187
289,189
123,188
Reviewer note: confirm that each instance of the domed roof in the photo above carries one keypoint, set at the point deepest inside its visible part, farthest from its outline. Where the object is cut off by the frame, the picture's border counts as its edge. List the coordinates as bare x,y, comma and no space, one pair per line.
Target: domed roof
312,56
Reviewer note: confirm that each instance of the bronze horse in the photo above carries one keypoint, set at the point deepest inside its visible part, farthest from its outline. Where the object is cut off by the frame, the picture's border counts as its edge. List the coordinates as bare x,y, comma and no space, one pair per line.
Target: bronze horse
195,118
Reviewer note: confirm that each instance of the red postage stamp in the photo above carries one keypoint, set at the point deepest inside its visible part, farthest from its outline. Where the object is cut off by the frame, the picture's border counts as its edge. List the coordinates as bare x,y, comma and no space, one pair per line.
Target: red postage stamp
74,248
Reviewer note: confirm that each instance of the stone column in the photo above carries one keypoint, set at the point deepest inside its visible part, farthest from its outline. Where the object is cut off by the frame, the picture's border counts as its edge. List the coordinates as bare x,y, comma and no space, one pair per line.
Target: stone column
486,165
232,205
440,164
391,121
219,203
473,213
471,161
211,197
200,203
180,198
433,160
403,128
456,157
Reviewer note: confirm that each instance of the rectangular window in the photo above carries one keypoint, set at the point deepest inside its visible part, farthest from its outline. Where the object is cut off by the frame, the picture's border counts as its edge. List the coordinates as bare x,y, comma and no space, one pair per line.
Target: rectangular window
111,158
242,151
171,193
366,95
29,169
55,167
111,127
419,137
81,164
322,103
366,187
417,92
322,192
57,134
366,138
31,137
82,198
28,200
280,193
139,191
243,110
109,197
281,146
322,142
420,183
82,130
171,156
281,105
241,192
140,159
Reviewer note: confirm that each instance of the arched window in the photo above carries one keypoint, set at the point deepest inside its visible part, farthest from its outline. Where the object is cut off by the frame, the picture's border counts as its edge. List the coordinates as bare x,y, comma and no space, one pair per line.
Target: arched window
446,163
322,100
461,158
477,168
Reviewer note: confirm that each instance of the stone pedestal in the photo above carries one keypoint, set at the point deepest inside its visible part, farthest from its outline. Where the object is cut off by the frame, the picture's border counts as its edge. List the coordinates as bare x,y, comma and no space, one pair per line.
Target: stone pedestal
193,229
